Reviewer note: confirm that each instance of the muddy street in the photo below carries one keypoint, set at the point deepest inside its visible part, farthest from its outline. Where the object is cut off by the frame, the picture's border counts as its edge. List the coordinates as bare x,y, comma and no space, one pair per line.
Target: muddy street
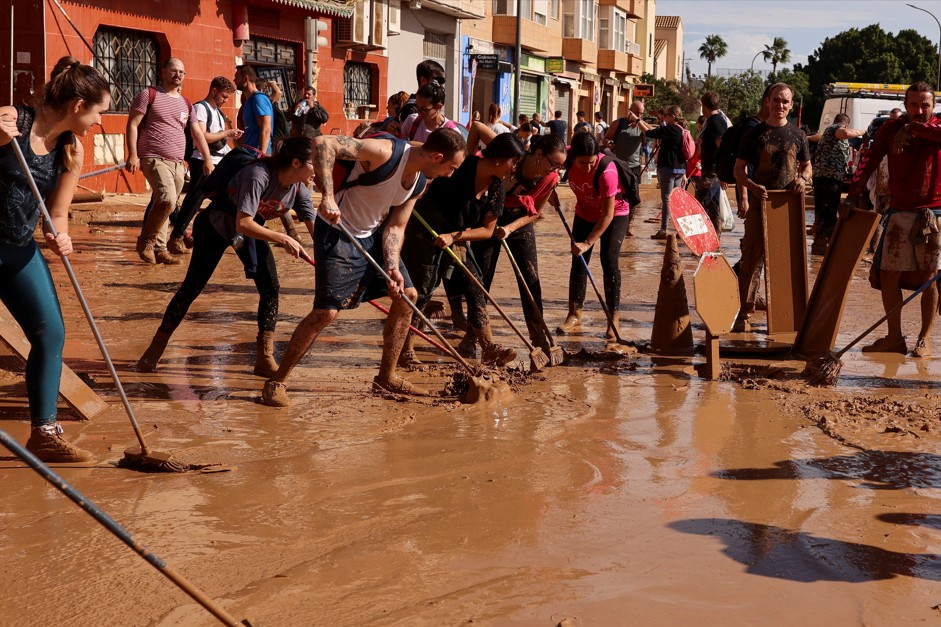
605,491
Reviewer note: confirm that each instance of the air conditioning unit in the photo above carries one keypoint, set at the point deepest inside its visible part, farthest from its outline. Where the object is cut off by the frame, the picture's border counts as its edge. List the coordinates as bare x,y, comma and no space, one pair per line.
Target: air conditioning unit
365,29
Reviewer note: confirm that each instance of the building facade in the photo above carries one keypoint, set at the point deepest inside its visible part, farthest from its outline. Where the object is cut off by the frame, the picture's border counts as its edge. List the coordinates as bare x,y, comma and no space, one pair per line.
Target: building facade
668,56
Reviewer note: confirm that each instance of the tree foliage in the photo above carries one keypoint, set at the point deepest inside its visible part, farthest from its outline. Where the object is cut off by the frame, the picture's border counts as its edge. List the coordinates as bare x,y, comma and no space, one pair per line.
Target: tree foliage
738,94
868,55
776,53
713,48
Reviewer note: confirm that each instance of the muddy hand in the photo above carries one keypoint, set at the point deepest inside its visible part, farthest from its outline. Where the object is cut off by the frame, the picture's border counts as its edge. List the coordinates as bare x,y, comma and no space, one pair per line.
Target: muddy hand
61,244
444,240
397,284
8,128
293,247
797,186
329,211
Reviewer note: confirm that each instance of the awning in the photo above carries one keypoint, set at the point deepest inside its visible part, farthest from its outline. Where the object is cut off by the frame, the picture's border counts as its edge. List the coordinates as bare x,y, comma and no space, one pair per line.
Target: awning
340,8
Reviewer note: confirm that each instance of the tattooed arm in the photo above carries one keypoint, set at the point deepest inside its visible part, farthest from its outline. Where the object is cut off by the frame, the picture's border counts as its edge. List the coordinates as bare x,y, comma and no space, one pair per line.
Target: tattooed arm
392,237
327,149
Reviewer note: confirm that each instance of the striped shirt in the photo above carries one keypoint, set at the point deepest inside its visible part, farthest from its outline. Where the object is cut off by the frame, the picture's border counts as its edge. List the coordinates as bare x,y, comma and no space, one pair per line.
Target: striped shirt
161,132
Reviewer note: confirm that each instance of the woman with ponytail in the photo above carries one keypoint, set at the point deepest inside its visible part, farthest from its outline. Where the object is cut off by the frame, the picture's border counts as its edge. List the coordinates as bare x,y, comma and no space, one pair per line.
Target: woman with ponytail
68,105
262,190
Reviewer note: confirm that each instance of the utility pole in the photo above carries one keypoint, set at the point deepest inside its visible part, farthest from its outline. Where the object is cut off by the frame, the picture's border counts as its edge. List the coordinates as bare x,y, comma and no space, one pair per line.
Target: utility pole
518,58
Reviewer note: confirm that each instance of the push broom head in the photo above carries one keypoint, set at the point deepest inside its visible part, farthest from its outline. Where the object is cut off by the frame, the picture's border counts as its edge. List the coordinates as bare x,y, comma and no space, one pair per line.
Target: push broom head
152,461
823,371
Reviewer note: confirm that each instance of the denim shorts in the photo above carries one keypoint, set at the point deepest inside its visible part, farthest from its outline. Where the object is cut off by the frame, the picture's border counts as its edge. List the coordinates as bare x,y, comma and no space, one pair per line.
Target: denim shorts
344,277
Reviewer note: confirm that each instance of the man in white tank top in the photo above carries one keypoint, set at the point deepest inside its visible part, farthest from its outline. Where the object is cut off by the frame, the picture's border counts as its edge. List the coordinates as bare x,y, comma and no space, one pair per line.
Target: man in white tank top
375,213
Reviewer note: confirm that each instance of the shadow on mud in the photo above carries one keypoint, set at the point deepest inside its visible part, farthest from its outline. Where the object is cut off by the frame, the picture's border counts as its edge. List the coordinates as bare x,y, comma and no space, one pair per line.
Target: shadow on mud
915,520
879,470
771,551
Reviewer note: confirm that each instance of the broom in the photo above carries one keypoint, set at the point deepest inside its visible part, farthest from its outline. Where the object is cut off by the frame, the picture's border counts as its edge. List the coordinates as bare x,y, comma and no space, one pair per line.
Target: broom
134,458
825,370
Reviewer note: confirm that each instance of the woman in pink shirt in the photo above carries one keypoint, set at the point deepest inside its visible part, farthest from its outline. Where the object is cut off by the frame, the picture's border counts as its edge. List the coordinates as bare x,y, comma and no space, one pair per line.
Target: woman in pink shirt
600,214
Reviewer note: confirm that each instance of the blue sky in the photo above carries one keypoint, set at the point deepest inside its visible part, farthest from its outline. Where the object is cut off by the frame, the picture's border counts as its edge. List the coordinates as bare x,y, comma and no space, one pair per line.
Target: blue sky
747,25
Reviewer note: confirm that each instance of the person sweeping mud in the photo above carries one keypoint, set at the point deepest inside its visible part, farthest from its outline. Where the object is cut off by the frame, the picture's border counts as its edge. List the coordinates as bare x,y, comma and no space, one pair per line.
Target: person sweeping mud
375,213
909,253
462,209
599,216
527,193
265,189
68,105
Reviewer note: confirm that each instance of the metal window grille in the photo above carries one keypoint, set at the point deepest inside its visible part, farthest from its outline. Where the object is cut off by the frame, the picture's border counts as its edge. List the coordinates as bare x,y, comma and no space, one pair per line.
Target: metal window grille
435,45
128,59
357,84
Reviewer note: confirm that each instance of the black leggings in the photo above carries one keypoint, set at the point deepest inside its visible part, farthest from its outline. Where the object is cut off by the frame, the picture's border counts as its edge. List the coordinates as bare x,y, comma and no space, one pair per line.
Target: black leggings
522,243
611,241
208,248
195,195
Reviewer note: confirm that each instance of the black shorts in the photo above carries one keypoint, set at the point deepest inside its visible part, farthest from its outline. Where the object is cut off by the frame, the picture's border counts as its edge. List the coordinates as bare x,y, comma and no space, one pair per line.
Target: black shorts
344,277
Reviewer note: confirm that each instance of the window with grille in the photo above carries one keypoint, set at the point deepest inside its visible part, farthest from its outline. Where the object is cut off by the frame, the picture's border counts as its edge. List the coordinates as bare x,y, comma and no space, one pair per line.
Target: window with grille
435,46
357,85
129,60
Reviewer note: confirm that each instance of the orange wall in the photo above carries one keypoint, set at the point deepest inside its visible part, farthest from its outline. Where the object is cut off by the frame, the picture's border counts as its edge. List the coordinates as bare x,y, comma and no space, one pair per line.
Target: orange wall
200,33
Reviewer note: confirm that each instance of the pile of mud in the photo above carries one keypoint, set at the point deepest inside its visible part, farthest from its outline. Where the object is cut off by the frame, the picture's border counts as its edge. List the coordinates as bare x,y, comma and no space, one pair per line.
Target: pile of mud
757,376
869,415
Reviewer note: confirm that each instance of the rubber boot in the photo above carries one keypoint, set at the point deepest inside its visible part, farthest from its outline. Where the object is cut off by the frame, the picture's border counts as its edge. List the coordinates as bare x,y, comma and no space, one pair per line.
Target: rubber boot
265,365
609,334
492,353
573,322
151,357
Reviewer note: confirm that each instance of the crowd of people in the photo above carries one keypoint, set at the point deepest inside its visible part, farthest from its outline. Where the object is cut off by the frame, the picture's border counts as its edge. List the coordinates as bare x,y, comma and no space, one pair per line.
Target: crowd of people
478,188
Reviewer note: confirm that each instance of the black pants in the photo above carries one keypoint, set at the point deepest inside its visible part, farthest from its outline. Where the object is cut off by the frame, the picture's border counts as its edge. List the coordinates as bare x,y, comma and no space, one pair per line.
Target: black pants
827,194
611,241
522,243
181,218
208,248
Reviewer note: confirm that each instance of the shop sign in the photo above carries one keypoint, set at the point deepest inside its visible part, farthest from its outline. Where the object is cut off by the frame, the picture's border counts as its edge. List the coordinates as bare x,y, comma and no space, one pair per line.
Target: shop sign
487,61
643,91
555,65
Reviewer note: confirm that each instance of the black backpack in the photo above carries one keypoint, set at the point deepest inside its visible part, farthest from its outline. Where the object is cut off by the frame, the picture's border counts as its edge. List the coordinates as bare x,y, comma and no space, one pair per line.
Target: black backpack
728,148
279,124
343,167
628,180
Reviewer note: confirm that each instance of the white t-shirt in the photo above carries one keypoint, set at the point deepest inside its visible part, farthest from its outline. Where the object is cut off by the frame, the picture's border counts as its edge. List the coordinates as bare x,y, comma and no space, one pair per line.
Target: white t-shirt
215,123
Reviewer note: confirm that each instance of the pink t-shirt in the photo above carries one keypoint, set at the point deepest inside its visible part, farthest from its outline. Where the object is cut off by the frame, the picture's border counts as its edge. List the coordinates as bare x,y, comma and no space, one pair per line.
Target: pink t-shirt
414,129
590,200
160,133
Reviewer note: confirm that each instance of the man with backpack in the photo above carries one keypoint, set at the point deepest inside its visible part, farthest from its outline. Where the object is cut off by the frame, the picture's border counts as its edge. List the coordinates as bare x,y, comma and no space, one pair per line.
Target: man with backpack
369,186
156,144
212,124
714,126
627,134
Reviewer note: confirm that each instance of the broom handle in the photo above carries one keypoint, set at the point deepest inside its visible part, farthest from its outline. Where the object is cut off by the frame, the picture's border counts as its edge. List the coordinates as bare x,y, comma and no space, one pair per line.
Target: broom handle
895,310
604,307
109,523
477,282
359,247
529,293
81,298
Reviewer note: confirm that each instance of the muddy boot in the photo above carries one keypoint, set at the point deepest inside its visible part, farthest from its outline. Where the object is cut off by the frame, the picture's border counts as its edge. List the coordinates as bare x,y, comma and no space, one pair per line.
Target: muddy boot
46,443
609,335
458,319
468,346
492,353
573,322
408,357
151,357
177,245
265,365
398,385
275,394
164,257
145,250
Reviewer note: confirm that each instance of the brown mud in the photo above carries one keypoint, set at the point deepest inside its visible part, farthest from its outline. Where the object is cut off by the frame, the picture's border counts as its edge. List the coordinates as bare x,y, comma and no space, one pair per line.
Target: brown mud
610,490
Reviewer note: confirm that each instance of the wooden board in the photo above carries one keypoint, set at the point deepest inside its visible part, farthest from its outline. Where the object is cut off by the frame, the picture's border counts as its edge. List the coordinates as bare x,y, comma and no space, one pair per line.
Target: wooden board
854,230
81,398
786,278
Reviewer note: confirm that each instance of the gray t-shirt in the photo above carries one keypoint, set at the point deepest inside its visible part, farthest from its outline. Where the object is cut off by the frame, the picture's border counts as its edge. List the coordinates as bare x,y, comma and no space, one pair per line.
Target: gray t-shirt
627,143
255,191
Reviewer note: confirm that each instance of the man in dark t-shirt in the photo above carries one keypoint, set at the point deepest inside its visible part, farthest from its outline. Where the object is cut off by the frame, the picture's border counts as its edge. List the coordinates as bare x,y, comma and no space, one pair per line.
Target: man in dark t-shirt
558,126
772,156
714,127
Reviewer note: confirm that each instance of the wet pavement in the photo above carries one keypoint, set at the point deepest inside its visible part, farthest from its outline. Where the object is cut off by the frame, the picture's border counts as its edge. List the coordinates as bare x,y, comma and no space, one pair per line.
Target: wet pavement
605,492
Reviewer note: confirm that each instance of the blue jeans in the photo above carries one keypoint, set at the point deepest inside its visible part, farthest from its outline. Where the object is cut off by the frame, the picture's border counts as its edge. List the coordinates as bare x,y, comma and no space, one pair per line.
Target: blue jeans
668,181
27,290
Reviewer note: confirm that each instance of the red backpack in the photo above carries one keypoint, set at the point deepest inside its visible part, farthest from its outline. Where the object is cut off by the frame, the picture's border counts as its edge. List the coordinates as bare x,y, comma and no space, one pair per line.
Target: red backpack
689,146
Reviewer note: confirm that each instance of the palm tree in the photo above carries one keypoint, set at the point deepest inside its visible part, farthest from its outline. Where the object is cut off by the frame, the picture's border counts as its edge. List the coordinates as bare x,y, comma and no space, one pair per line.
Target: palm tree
714,48
776,52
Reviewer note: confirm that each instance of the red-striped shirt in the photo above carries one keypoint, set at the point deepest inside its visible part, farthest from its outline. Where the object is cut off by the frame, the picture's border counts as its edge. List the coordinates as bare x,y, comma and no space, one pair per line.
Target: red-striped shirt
160,133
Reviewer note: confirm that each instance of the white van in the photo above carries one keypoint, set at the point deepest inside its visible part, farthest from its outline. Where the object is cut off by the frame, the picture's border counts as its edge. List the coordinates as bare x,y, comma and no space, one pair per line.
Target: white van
862,102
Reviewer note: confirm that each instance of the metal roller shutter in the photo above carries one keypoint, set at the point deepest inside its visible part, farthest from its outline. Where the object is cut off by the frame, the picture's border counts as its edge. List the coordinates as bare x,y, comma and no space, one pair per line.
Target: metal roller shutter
529,95
563,100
